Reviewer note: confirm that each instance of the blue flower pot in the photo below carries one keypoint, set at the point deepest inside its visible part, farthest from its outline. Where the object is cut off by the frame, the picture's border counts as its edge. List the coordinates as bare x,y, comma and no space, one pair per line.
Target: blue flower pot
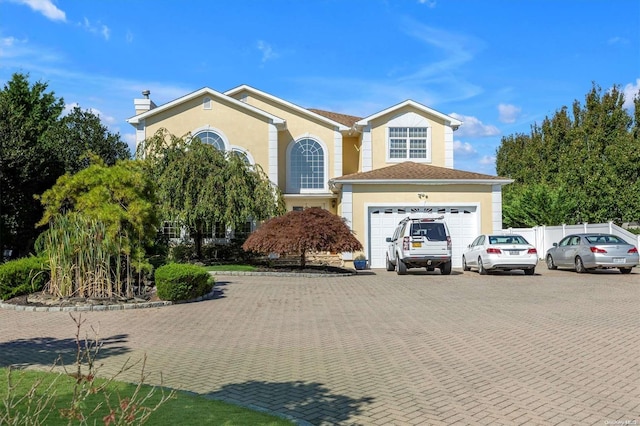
360,264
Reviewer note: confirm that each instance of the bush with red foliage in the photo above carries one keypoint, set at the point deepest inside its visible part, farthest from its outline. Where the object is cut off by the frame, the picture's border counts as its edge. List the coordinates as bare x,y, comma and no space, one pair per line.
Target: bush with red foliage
300,232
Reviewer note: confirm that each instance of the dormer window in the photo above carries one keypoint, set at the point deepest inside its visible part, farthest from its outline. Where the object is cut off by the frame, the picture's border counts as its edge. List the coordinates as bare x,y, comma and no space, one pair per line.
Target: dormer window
408,142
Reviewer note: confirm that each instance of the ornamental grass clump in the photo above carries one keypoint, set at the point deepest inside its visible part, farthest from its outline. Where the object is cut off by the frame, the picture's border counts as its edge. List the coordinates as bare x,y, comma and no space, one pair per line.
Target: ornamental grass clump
177,281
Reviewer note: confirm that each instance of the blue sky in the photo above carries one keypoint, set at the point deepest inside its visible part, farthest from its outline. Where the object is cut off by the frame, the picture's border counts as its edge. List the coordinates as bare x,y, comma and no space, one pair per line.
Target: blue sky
499,66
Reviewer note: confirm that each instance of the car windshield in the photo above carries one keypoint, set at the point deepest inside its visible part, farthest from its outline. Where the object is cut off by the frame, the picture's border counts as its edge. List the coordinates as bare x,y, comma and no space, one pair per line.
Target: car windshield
605,239
433,231
507,239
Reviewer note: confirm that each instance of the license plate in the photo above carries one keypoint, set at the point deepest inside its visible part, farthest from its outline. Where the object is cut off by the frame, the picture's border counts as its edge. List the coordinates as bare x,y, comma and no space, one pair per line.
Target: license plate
618,260
416,244
514,252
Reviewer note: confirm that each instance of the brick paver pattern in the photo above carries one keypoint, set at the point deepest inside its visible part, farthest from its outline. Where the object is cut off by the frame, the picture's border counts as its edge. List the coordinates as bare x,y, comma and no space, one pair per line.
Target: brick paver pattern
381,349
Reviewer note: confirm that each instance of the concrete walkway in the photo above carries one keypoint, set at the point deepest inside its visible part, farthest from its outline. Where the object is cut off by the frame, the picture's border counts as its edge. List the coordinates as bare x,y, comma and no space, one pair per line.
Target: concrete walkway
379,349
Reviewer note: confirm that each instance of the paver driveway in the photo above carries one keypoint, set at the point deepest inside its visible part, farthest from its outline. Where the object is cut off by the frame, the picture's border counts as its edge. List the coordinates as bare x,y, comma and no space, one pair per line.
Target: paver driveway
379,349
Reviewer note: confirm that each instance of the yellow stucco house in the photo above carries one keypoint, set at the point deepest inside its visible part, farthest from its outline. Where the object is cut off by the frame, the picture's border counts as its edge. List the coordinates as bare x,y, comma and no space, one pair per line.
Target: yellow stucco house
373,171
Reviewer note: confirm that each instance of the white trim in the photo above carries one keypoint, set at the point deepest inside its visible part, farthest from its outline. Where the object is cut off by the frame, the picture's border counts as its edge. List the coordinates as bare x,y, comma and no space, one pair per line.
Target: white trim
426,160
280,122
272,169
496,207
209,128
141,133
346,204
325,187
337,153
236,148
448,147
367,150
287,104
452,121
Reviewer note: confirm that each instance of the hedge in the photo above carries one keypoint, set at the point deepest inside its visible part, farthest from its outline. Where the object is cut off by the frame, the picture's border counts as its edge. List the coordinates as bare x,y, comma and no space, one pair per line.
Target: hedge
22,276
179,281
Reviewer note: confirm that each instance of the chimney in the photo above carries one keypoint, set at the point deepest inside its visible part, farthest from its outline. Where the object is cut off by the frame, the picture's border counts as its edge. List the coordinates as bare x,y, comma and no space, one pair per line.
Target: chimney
145,104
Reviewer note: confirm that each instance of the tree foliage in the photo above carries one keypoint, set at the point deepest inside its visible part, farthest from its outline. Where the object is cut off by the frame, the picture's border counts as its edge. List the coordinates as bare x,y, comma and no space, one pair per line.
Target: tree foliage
582,166
200,186
81,132
301,232
101,220
37,145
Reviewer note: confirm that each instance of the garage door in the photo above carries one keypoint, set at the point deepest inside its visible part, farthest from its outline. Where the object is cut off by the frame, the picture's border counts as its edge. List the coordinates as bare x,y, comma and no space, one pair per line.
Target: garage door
461,220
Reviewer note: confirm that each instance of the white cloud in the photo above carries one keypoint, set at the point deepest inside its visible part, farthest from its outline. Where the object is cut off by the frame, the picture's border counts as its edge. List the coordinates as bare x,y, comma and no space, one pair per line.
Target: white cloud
46,8
630,92
267,51
97,28
617,40
129,37
456,49
464,149
429,3
508,113
472,127
488,160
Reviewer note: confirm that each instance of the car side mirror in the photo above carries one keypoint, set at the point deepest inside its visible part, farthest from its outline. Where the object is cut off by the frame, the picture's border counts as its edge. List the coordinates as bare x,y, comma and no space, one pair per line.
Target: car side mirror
389,239
555,244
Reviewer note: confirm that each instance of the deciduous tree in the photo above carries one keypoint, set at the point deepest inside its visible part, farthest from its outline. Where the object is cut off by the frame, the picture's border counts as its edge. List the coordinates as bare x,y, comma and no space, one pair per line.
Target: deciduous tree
200,186
301,232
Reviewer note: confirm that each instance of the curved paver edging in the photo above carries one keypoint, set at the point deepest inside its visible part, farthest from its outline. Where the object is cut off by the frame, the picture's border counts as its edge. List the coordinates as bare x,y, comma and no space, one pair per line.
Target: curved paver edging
115,307
281,274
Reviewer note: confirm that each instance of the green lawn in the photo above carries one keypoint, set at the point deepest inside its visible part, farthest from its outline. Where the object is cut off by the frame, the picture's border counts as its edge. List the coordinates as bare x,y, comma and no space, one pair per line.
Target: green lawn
182,408
232,267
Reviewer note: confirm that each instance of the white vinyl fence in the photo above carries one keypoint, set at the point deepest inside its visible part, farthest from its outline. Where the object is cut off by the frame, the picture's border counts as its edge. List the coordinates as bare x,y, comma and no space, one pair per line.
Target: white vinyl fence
543,237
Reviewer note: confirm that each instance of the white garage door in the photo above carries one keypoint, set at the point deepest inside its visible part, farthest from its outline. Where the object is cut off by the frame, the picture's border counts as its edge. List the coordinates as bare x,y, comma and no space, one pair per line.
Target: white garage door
461,220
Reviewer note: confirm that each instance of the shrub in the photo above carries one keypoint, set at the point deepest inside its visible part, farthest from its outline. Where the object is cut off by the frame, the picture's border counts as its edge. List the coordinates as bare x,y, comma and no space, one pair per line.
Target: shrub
177,281
22,276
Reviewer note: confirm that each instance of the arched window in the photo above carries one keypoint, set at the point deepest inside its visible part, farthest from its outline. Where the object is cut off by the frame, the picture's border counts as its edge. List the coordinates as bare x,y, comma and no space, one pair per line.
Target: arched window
212,138
241,155
306,165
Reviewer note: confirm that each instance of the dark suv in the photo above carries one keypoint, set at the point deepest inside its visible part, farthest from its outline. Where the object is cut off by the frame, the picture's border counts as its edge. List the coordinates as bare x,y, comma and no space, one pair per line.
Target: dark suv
420,243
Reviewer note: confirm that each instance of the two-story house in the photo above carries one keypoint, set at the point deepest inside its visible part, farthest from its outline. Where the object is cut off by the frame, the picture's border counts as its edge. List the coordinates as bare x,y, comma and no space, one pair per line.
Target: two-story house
373,171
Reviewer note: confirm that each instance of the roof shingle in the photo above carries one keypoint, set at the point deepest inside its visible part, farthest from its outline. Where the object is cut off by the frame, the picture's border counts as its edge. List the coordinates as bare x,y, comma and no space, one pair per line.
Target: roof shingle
347,120
415,171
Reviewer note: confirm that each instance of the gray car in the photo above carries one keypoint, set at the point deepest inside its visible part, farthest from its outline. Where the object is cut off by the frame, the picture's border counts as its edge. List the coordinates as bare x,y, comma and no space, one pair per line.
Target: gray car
585,252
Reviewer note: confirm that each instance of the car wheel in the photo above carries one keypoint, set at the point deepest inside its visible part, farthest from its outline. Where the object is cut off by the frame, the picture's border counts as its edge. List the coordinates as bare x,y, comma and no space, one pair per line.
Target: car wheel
464,264
530,271
481,269
550,264
580,266
401,268
390,266
445,268
625,270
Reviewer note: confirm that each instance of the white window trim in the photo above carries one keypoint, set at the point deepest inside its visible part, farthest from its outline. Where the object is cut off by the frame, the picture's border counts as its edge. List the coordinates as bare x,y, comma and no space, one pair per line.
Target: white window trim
325,187
220,133
236,148
427,159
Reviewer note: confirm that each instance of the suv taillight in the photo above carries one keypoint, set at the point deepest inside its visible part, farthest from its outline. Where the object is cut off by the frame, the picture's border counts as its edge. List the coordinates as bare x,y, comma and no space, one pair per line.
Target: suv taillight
448,243
405,243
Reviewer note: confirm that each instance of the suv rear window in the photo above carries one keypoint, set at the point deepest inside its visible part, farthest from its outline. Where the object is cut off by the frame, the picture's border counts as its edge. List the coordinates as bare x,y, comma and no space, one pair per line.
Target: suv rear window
433,231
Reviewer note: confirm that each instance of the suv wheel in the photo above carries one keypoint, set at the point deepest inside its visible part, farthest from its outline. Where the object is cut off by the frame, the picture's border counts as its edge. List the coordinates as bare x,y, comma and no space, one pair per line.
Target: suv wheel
390,266
401,268
445,268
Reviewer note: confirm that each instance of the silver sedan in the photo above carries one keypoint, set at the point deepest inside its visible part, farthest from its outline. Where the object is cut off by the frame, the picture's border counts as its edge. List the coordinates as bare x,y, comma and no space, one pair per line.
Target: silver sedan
584,252
500,253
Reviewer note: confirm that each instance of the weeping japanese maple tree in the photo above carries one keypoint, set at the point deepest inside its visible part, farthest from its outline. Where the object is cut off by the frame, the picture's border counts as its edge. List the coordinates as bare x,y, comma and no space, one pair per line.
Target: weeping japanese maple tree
301,232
